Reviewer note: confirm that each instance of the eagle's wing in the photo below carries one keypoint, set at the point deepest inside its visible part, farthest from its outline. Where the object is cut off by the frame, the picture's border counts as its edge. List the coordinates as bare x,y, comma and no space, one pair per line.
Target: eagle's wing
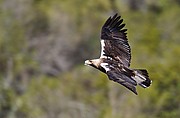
119,74
122,79
114,43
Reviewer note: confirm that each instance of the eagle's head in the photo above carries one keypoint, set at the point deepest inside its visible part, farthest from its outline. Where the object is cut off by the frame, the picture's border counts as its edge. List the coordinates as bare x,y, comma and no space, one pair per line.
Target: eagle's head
93,62
88,63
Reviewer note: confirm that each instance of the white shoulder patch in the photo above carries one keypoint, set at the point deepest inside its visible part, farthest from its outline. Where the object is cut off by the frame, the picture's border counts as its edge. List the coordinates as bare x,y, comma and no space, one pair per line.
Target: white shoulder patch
104,65
102,51
102,48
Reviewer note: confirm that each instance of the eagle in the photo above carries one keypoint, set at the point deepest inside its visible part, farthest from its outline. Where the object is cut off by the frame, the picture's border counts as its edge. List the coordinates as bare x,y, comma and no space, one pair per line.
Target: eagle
115,56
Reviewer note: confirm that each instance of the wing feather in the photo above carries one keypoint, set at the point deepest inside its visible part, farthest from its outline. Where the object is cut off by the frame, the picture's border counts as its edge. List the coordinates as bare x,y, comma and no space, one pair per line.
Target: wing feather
114,40
108,21
123,79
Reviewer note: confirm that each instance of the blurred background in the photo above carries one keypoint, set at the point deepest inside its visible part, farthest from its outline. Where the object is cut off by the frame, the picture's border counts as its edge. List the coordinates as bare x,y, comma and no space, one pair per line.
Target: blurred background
43,46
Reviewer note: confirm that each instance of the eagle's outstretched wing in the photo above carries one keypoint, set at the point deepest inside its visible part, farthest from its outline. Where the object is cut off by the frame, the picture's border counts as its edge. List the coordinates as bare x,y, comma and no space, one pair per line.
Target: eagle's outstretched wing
120,74
121,78
114,43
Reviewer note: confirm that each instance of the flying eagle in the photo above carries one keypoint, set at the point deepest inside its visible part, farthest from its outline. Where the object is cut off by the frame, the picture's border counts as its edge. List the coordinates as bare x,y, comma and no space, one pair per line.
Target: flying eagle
116,55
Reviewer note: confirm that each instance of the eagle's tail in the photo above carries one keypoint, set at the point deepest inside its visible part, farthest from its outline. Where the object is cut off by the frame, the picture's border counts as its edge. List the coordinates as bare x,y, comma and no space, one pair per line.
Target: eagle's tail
142,78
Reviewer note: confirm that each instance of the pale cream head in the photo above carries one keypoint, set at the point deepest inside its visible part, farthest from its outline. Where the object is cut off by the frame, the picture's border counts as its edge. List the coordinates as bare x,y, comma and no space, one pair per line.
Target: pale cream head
87,62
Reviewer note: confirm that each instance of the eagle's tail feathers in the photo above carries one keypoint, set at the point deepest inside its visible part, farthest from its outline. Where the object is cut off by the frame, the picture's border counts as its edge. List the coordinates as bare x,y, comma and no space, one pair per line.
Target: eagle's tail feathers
142,78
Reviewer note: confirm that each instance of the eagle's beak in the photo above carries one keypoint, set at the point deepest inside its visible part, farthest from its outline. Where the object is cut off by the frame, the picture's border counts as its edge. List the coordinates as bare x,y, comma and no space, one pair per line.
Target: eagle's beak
87,62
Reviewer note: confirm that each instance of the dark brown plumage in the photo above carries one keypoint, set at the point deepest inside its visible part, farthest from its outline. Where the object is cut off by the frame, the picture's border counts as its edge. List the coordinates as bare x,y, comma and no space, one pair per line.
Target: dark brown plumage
116,56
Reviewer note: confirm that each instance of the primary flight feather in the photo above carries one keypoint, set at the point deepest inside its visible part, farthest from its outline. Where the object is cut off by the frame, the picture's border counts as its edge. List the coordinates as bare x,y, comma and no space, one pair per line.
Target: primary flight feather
116,56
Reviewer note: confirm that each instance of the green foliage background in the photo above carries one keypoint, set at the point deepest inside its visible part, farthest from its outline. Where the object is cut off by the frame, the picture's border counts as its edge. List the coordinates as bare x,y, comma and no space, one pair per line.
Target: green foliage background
43,46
